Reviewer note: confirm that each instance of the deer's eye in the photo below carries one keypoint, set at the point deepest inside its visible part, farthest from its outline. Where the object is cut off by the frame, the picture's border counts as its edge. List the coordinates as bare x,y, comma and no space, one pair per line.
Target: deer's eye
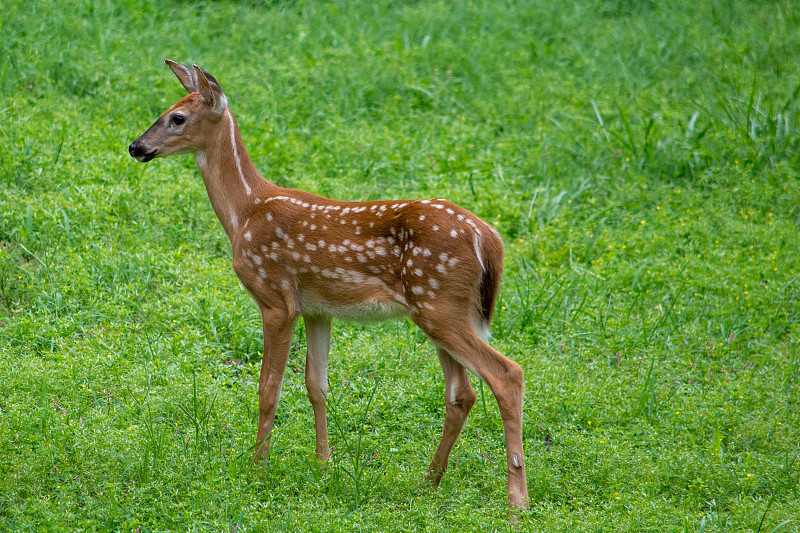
178,119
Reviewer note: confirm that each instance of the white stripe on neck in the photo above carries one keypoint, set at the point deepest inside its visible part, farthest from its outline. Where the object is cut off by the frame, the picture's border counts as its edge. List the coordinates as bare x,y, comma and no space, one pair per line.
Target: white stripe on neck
236,155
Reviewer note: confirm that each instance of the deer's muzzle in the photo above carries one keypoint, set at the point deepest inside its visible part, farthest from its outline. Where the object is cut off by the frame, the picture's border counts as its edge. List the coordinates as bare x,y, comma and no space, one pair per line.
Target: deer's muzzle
140,152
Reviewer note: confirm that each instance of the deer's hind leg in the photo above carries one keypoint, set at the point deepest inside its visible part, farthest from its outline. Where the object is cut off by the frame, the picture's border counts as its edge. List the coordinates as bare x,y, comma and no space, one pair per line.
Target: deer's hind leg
505,378
459,398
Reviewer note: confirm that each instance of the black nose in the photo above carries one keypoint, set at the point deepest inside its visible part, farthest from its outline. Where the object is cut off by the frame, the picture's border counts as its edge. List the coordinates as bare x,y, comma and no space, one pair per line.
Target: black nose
134,149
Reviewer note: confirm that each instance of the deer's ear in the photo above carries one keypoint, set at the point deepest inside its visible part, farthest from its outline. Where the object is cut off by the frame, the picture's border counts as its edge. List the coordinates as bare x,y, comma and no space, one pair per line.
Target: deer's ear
210,90
186,75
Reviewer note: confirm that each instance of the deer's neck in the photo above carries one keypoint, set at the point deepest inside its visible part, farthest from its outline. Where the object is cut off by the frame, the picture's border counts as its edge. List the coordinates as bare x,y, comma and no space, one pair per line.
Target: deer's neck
231,179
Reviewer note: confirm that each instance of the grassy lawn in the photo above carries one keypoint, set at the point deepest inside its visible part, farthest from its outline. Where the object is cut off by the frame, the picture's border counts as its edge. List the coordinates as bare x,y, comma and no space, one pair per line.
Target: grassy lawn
639,158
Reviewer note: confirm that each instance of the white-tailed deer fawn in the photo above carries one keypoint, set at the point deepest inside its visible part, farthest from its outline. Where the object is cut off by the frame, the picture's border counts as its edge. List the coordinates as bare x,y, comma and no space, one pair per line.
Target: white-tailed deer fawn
302,254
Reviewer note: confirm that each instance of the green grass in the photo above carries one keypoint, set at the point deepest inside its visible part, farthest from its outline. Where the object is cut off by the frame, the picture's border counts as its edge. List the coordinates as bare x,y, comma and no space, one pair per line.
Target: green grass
639,158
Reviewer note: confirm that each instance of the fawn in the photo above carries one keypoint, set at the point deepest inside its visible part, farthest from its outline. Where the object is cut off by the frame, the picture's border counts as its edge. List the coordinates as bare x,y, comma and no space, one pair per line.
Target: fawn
297,253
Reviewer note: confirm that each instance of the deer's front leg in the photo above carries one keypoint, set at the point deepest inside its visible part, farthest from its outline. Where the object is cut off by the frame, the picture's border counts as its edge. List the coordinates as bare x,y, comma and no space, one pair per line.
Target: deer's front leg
318,340
278,326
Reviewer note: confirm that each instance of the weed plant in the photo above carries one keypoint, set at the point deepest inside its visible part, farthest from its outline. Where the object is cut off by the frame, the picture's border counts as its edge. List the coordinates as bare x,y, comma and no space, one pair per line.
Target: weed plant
639,158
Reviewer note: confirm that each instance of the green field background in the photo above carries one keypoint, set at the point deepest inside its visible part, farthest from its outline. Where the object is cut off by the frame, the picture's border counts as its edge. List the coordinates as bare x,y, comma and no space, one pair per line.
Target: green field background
639,158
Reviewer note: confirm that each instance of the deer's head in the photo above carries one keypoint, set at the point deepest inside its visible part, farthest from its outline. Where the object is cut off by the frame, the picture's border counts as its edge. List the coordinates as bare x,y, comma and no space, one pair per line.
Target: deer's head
183,128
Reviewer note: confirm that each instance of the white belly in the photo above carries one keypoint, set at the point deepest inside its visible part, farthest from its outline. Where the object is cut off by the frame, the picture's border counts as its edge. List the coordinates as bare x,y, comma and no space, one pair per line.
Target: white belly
368,311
